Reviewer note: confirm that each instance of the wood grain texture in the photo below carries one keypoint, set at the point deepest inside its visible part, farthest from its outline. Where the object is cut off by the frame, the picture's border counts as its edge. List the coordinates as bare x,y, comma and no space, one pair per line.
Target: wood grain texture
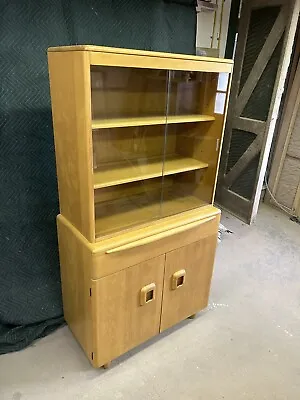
119,321
113,283
139,232
249,125
243,161
159,236
75,266
289,181
132,143
71,111
143,121
197,261
140,61
112,174
203,142
261,61
296,205
285,131
293,149
104,264
119,50
151,186
128,212
126,95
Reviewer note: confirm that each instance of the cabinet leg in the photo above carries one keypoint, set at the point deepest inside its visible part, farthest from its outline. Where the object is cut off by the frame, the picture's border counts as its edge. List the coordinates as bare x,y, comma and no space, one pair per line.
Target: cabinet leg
193,316
107,365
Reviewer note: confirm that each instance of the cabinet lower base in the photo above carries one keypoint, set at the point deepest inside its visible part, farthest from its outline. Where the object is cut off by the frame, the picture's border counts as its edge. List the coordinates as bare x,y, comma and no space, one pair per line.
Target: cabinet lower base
122,309
108,364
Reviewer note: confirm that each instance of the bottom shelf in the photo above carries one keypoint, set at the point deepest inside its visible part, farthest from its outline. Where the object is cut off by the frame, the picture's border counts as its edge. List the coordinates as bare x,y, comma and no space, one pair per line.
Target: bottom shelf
128,212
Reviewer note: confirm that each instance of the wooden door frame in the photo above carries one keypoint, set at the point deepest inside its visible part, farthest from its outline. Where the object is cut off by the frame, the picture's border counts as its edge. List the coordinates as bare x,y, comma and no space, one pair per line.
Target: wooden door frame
286,21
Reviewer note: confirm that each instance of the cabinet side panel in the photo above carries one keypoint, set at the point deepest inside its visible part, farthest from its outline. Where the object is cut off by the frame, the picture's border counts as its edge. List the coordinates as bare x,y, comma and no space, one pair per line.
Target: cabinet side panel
75,261
71,110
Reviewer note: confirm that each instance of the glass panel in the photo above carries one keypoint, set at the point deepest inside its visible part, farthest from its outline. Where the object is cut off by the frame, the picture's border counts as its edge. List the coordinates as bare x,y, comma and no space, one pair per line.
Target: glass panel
156,137
128,120
192,93
120,93
197,143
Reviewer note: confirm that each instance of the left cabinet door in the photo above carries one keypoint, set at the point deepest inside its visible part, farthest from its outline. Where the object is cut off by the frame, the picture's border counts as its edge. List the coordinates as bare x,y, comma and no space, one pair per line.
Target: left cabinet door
126,309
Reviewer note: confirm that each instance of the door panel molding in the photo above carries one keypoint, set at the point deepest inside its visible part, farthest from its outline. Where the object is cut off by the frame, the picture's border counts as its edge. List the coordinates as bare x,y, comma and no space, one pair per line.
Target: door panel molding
283,28
251,125
261,61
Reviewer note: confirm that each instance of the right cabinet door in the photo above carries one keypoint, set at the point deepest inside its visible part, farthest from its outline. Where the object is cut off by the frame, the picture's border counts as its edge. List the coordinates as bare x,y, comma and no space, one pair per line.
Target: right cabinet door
188,272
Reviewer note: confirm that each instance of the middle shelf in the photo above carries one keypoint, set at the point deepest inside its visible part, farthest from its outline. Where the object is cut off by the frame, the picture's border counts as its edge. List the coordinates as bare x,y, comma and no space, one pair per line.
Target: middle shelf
117,173
151,120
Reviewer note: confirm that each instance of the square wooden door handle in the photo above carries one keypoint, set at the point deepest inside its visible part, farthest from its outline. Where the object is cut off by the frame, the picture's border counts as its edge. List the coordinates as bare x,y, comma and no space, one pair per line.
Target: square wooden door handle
178,279
147,294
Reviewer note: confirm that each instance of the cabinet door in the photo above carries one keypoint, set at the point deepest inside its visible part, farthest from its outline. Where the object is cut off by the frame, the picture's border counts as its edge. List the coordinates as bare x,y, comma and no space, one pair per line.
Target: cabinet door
126,309
188,272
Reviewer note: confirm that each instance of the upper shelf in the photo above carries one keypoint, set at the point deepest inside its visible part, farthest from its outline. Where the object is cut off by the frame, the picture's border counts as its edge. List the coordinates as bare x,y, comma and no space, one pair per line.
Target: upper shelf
141,121
124,172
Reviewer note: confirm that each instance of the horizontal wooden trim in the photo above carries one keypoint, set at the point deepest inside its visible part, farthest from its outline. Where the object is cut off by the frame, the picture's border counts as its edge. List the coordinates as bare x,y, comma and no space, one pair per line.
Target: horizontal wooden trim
124,172
141,232
249,125
156,226
138,61
162,235
234,203
107,264
243,161
119,50
145,121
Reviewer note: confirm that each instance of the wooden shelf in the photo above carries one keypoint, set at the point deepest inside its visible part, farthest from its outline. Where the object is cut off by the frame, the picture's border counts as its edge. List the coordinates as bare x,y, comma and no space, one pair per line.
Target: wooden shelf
125,213
131,171
141,121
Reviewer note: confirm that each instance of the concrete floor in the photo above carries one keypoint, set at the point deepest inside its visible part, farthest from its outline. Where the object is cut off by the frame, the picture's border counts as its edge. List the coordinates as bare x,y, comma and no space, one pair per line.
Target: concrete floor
245,346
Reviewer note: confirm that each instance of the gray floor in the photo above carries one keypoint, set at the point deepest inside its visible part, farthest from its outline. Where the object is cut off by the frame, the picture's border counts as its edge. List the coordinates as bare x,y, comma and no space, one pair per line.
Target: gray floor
245,346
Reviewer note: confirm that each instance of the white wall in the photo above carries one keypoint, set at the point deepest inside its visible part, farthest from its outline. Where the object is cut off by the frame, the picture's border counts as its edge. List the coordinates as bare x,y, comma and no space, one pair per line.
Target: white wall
213,38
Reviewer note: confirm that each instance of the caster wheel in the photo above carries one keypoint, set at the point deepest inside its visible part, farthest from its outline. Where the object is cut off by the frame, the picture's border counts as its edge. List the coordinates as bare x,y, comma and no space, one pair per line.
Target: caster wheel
193,316
107,365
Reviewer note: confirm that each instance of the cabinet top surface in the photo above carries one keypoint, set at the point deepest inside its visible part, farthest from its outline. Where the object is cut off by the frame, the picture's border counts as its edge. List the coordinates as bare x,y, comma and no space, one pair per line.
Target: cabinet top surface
117,50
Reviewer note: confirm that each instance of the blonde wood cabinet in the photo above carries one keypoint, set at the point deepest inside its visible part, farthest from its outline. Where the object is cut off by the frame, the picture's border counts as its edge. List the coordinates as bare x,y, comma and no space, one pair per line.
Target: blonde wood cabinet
137,139
126,308
188,272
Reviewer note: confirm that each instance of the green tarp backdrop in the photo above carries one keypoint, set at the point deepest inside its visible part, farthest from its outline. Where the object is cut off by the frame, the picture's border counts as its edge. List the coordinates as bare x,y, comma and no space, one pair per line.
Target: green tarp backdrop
30,292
